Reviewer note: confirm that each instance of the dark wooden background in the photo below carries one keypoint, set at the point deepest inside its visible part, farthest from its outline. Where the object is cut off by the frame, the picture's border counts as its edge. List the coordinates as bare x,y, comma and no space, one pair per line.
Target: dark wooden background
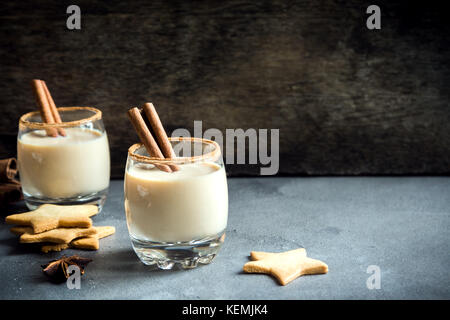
347,100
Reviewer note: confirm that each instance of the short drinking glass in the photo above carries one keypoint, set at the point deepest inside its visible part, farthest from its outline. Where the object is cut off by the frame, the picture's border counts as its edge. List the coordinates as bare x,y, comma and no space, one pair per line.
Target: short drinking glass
177,218
69,169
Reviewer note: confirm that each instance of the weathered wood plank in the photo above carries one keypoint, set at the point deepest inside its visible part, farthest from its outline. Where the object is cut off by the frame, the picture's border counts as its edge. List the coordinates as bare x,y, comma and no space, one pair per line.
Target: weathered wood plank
346,100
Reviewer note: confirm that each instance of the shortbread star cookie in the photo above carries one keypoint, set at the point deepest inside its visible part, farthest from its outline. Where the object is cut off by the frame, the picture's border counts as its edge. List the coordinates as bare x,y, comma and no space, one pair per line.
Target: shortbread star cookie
87,243
284,266
259,255
49,216
59,235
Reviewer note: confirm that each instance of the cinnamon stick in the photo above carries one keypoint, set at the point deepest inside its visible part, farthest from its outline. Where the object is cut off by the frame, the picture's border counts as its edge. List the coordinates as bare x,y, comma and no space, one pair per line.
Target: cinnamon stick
10,190
146,137
8,169
9,193
160,133
44,107
53,109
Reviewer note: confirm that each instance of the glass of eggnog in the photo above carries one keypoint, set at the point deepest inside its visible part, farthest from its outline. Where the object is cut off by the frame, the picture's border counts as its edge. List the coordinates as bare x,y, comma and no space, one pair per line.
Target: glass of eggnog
69,168
177,218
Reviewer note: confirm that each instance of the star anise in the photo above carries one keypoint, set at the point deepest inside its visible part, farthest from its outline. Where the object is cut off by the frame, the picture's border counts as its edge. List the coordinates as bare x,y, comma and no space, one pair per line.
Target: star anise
57,271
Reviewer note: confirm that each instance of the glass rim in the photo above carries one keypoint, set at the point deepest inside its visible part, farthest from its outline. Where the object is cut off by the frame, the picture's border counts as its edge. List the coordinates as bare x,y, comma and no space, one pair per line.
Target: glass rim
213,155
42,125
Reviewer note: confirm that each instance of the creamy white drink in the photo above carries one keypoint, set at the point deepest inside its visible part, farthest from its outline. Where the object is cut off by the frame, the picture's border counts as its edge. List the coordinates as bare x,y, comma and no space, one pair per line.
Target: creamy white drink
63,167
188,204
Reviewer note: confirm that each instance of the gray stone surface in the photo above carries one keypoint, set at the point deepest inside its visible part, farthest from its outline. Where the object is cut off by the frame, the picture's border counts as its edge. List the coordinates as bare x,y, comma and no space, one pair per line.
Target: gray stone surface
400,224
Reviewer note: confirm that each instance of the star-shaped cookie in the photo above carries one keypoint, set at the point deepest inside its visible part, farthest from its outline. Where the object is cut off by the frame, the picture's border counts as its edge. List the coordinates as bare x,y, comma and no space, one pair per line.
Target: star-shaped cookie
284,266
87,243
59,235
49,216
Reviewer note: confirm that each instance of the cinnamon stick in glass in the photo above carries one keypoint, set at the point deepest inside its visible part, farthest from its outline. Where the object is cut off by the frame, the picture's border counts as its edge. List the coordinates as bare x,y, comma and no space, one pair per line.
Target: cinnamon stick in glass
160,133
53,109
146,137
44,107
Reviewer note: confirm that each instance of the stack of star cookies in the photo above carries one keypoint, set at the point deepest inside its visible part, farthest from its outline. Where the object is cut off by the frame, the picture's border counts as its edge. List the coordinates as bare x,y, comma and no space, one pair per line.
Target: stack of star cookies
60,227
